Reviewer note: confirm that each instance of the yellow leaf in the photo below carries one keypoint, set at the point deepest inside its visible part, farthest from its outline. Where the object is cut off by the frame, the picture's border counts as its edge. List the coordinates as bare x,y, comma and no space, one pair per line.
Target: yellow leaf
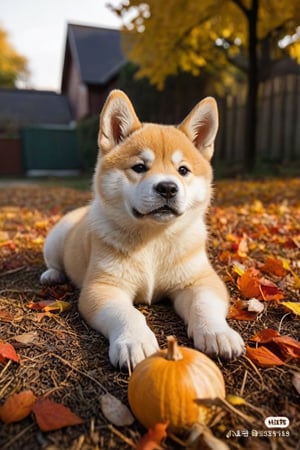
57,306
293,307
238,269
235,400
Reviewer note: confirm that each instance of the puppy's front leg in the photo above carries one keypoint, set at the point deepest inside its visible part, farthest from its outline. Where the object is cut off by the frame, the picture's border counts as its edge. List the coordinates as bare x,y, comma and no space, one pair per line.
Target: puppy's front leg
110,310
204,308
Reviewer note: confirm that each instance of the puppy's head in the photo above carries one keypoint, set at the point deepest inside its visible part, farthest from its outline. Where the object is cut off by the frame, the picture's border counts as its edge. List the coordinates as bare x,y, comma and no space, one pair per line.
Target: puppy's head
154,172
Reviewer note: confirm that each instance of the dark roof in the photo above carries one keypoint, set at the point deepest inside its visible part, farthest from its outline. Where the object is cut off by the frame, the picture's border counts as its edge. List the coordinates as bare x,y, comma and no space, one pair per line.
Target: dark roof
96,51
29,107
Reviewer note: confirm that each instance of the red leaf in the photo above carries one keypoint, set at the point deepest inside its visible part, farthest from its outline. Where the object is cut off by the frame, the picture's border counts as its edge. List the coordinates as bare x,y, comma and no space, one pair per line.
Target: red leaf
265,336
53,416
263,357
152,439
17,406
7,351
269,290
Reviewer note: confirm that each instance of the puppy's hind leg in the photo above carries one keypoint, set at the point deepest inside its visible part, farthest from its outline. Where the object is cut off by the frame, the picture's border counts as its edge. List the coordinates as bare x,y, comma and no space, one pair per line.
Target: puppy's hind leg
53,255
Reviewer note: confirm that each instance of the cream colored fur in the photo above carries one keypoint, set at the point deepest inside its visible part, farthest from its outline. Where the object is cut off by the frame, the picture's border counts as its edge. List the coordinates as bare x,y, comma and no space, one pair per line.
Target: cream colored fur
144,235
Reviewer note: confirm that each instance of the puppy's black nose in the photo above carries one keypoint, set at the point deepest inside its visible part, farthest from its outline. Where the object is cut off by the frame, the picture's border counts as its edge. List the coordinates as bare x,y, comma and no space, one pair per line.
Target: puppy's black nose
167,189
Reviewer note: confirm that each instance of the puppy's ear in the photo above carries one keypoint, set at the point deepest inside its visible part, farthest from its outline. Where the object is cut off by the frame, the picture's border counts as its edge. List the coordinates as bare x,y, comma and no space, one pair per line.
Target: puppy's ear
117,121
201,126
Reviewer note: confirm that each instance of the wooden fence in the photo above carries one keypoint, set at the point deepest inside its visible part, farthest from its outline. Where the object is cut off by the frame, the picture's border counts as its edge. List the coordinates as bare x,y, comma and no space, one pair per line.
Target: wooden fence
278,125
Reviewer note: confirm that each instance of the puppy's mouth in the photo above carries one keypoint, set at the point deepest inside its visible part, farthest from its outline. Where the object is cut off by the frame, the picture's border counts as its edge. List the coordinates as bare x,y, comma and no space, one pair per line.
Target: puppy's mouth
162,212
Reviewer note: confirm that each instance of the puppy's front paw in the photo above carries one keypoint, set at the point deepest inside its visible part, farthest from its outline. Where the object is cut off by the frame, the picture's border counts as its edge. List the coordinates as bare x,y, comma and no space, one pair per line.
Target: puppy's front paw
224,342
128,349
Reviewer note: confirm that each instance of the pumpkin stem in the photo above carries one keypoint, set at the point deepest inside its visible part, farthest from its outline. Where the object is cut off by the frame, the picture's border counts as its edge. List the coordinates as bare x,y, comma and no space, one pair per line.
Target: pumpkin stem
173,352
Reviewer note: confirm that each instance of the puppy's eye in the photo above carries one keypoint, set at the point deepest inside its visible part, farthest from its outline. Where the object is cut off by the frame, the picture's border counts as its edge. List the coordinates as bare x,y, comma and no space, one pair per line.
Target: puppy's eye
183,171
139,168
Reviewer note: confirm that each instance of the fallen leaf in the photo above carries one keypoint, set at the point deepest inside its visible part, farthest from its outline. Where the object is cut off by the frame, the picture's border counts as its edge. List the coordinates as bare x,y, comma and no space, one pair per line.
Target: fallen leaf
235,400
264,336
288,346
115,411
53,416
153,438
296,381
248,283
269,290
263,357
293,307
7,351
255,305
243,249
245,309
6,316
56,306
274,266
237,313
252,285
26,338
17,406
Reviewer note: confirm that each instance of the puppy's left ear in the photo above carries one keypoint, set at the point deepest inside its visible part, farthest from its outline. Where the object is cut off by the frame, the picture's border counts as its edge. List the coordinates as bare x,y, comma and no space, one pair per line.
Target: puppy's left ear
201,126
117,121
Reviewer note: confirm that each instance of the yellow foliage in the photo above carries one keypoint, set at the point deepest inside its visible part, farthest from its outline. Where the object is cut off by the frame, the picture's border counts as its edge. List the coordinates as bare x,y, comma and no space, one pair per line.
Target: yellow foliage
11,63
164,37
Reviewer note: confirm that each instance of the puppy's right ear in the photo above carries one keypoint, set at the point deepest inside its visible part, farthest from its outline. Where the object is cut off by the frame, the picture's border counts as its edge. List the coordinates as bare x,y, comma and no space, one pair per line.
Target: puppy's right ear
117,121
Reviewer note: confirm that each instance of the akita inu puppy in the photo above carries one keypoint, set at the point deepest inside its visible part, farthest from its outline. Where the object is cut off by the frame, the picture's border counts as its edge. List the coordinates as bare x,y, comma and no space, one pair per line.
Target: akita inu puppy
144,235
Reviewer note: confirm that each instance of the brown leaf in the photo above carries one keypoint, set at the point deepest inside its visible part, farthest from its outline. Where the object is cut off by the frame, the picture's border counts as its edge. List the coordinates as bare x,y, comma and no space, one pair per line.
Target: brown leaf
263,357
53,416
17,406
7,351
152,439
6,316
26,338
115,411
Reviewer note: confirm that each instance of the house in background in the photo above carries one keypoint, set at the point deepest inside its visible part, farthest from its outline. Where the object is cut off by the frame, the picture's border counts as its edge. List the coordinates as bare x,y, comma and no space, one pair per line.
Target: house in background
37,134
21,109
92,61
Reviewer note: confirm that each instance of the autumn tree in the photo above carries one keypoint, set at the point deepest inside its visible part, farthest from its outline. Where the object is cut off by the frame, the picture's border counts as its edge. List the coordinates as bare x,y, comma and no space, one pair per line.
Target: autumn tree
219,36
12,65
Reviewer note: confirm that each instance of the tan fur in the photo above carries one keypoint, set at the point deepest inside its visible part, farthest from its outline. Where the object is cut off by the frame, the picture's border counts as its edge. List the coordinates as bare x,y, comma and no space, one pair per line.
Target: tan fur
125,249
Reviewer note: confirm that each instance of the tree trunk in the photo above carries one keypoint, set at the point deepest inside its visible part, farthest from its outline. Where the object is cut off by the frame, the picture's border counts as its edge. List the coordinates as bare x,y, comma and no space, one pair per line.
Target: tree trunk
252,92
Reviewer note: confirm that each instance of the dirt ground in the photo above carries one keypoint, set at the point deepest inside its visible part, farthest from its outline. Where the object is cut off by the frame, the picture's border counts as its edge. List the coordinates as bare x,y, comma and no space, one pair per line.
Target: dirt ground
68,362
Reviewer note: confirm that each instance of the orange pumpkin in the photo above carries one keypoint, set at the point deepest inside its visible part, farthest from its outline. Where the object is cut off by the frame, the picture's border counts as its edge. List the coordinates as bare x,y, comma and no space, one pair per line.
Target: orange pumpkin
163,387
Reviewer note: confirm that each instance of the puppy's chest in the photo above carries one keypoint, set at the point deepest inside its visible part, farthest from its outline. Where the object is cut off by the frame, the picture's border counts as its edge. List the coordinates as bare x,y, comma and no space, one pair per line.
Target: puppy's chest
162,271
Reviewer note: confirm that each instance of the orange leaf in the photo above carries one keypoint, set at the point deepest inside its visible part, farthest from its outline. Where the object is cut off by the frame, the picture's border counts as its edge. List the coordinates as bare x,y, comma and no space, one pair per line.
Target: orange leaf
248,283
7,351
152,439
265,336
17,406
289,346
53,416
274,266
240,313
263,357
